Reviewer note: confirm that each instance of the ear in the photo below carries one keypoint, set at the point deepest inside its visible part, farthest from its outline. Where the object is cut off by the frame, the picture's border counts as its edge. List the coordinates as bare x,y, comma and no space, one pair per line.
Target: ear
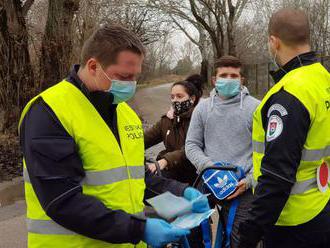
275,42
213,80
193,98
92,66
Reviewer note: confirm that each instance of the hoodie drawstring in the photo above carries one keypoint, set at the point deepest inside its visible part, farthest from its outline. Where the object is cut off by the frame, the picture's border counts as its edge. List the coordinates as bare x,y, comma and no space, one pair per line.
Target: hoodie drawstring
241,100
212,101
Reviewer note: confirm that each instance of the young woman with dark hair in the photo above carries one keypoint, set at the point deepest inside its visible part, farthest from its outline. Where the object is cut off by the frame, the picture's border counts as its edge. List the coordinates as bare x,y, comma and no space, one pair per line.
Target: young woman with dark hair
172,130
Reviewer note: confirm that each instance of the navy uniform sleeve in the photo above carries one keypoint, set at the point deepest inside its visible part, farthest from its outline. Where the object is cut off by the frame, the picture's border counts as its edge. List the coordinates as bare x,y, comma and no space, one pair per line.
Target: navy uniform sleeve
55,171
286,123
156,185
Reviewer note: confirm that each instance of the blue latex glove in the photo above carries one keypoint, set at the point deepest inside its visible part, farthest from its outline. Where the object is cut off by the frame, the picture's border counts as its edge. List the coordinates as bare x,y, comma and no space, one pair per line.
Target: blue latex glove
200,202
158,233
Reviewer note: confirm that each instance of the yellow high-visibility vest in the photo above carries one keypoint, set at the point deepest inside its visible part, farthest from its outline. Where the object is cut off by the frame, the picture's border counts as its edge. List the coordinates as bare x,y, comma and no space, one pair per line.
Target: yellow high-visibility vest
114,174
311,86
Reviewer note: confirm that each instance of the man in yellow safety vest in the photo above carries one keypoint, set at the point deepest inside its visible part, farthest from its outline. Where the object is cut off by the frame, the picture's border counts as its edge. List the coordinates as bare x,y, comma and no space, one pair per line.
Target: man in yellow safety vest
83,147
291,144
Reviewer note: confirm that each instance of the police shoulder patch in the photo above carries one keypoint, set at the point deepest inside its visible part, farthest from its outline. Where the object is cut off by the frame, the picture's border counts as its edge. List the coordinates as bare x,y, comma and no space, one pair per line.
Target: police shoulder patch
277,107
275,128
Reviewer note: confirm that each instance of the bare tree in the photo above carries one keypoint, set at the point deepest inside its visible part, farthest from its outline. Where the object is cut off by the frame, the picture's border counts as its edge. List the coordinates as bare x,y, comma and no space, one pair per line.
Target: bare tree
85,21
317,10
158,59
214,22
57,41
16,74
145,22
36,23
149,24
179,13
223,14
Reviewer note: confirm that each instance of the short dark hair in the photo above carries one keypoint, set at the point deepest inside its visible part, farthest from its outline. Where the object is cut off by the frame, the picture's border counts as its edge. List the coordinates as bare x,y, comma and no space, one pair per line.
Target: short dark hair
291,26
107,42
193,85
227,61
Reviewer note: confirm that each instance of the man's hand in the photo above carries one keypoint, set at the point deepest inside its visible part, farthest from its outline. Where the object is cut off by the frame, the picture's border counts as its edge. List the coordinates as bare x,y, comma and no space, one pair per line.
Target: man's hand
241,188
159,233
162,165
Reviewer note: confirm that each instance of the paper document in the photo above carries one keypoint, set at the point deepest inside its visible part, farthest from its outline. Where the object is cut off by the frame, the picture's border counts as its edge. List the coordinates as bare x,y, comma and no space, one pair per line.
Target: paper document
169,207
189,221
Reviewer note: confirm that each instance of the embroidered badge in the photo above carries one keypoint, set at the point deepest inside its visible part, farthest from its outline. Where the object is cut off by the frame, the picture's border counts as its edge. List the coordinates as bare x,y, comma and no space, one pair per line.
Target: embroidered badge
275,128
277,107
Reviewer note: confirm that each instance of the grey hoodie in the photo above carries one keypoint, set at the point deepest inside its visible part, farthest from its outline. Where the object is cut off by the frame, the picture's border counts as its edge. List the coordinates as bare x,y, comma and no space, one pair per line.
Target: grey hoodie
221,130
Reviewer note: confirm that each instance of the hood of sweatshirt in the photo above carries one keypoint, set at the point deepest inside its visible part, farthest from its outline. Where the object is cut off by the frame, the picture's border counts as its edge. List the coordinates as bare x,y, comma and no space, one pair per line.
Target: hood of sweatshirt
215,98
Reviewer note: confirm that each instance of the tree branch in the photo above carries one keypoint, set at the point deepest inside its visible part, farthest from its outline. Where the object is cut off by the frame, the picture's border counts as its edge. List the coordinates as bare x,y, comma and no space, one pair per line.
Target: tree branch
202,22
185,32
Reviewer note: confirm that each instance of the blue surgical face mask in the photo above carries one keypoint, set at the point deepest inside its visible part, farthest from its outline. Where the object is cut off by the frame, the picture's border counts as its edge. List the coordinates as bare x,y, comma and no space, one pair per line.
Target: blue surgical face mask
228,87
122,91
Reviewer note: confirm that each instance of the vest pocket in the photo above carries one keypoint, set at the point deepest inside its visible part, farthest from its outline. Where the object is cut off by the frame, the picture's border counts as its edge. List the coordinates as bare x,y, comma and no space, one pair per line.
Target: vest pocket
55,148
55,157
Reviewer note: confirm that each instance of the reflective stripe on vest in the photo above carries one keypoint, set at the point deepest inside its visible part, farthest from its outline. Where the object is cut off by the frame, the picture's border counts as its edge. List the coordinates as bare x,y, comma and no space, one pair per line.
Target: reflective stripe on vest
47,227
105,177
307,155
310,85
51,227
114,173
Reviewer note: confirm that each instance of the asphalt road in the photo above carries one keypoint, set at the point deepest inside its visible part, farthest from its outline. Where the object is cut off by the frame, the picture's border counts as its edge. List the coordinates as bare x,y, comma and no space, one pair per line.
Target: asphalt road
12,225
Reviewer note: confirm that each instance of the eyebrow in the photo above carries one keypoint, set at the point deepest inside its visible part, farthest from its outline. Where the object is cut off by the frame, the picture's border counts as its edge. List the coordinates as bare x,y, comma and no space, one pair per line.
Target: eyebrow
232,74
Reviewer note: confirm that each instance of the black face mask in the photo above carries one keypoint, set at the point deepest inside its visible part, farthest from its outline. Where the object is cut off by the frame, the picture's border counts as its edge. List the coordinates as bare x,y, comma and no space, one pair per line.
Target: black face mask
181,107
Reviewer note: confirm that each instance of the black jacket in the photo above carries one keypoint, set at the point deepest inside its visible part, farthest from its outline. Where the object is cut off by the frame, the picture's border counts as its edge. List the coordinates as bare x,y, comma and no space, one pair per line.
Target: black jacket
280,163
55,170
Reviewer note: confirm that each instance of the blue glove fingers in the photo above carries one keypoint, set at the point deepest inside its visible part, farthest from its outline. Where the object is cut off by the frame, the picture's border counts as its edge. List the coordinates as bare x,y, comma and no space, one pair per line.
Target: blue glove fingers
156,231
178,233
191,193
164,224
159,233
201,205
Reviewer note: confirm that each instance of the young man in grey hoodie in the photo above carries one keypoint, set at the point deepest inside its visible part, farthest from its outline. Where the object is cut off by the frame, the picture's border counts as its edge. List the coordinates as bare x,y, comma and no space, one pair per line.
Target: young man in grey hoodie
221,130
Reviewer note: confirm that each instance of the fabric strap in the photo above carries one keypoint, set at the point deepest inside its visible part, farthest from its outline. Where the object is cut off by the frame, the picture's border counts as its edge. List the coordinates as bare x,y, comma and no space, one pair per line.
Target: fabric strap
219,239
219,235
230,221
185,242
206,231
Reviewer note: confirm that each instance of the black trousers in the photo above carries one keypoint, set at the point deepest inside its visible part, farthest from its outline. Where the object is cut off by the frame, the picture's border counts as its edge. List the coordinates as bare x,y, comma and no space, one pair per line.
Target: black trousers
312,234
290,237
